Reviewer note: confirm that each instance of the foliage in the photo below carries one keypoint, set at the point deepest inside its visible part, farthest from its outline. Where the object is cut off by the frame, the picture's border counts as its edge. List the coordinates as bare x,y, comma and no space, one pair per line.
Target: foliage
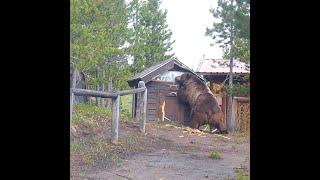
241,175
98,29
98,33
87,114
150,36
237,90
126,107
215,154
240,88
231,30
104,34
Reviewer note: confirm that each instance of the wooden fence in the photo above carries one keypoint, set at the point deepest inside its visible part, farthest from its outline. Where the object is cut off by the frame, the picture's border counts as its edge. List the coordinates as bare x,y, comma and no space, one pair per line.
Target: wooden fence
241,114
142,104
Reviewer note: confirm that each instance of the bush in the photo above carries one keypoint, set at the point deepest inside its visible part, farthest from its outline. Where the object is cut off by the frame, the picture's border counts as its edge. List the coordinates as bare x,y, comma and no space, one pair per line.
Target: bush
215,155
238,90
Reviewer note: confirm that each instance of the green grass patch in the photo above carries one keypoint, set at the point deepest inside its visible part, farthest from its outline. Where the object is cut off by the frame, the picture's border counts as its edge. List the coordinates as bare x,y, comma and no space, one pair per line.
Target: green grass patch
241,175
215,155
84,111
126,107
76,147
242,134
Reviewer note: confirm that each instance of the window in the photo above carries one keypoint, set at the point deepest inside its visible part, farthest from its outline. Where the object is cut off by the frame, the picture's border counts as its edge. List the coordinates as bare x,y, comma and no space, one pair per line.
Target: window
168,76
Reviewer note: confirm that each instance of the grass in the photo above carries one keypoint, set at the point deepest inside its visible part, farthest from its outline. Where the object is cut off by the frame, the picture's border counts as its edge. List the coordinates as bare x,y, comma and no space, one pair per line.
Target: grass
241,175
215,155
76,147
245,135
89,114
85,113
241,137
126,107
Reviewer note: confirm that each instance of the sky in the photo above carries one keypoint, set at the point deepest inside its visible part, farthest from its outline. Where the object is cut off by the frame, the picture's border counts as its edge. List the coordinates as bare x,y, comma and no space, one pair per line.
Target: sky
188,19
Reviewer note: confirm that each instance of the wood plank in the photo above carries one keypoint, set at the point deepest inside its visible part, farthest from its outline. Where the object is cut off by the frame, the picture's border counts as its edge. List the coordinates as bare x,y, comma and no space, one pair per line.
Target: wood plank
152,119
152,100
151,106
242,99
152,94
152,111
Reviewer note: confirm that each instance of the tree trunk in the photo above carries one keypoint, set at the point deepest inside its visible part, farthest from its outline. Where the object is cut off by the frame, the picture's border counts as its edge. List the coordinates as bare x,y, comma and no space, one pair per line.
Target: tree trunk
102,100
230,122
109,101
97,87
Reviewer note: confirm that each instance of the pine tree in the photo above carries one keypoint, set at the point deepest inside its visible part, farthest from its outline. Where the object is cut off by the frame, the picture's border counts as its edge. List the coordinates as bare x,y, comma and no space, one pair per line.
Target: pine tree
150,37
98,33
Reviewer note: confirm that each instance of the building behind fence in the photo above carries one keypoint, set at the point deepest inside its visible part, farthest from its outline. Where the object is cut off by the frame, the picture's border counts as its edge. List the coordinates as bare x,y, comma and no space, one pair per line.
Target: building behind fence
216,72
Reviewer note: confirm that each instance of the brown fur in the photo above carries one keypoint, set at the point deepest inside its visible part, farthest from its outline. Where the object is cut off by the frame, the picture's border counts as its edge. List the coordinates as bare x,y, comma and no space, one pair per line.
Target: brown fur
204,106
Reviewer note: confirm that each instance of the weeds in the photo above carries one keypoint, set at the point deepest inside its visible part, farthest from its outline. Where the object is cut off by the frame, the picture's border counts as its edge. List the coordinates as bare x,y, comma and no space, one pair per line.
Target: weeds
76,147
241,175
215,155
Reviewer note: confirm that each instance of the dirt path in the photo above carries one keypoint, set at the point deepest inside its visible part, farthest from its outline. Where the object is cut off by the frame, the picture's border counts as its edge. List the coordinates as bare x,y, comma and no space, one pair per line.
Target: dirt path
185,155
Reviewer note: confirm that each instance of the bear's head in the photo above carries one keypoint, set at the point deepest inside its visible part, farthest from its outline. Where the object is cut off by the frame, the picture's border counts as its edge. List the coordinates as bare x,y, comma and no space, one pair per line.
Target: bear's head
219,122
180,80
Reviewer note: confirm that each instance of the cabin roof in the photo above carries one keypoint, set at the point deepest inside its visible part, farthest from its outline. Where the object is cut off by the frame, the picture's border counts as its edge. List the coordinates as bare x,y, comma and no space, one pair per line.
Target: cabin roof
221,66
160,68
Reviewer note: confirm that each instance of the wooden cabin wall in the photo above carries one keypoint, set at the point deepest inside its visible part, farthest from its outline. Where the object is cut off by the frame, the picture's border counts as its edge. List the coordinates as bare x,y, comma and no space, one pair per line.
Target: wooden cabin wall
174,110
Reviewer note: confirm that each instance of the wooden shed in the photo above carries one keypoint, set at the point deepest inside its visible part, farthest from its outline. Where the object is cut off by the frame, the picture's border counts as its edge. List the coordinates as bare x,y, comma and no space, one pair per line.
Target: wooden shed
162,101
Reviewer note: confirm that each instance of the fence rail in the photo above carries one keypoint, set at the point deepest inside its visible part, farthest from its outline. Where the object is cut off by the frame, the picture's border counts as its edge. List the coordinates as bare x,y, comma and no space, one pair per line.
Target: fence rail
86,92
142,105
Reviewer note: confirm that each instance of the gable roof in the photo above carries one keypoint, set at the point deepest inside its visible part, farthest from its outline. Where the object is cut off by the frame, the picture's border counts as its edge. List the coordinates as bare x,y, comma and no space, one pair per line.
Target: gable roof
160,68
221,66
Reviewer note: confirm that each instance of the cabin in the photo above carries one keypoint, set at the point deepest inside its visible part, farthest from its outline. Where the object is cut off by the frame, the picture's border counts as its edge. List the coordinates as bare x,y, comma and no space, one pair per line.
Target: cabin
162,100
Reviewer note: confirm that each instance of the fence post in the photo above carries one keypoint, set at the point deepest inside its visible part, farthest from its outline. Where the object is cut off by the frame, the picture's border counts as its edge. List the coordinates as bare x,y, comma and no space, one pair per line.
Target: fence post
115,119
74,75
236,122
143,107
230,120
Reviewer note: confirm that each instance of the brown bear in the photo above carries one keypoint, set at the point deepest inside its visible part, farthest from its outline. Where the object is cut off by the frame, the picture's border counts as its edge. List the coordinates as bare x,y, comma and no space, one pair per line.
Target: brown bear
204,106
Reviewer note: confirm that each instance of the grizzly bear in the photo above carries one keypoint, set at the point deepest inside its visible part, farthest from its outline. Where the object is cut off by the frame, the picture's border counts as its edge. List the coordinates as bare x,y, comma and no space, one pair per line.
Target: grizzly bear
204,106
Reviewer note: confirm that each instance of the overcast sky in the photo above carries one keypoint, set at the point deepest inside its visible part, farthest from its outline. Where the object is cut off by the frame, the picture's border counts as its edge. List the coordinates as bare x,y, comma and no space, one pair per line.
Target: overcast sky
188,20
